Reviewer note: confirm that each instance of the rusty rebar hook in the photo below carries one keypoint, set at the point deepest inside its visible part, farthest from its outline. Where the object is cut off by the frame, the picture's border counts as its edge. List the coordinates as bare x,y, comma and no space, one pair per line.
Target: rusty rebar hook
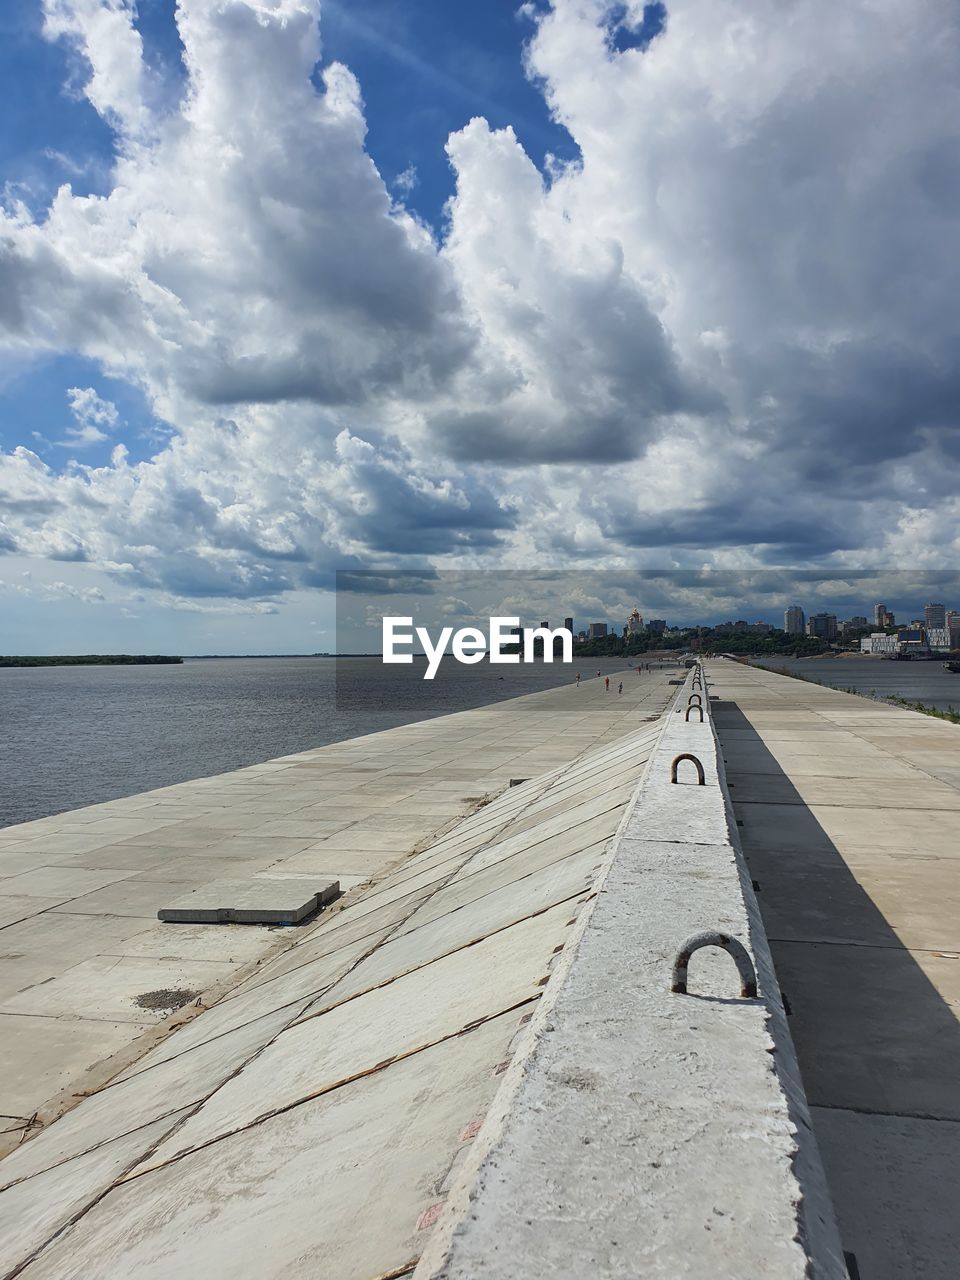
712,938
686,755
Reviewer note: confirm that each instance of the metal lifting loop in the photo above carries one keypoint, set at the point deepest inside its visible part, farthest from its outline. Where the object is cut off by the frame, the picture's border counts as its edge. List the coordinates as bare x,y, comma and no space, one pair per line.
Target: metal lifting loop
699,698
733,947
690,710
686,755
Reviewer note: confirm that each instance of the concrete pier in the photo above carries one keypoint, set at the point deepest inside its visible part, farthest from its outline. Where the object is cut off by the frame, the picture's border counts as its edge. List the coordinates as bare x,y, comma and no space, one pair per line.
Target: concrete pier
475,1066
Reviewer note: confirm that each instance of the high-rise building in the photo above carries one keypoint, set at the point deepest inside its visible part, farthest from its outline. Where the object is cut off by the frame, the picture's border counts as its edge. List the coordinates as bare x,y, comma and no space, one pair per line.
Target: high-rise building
879,613
822,625
889,620
656,626
953,627
635,622
793,620
934,615
568,623
597,630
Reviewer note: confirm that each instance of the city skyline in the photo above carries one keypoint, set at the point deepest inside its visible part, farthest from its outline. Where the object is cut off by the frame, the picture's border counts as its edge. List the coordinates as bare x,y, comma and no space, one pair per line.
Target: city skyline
612,597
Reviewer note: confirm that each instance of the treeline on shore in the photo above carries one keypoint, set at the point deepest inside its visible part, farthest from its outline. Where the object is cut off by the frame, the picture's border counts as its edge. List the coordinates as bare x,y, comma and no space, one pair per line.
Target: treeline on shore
90,660
710,640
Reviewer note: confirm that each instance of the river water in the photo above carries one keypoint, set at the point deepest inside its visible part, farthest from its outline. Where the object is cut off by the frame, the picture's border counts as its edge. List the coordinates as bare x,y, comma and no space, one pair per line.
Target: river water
73,736
925,682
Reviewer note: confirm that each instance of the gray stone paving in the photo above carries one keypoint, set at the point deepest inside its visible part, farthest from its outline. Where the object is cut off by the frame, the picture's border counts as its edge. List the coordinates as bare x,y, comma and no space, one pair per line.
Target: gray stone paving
851,827
347,1072
80,891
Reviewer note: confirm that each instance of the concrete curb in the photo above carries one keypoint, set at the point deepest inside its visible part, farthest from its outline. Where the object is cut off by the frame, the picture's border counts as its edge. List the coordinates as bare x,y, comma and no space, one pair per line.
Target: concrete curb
638,1131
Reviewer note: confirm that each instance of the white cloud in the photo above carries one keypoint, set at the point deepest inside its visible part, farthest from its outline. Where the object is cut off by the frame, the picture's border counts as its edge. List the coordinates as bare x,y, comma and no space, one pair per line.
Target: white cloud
95,418
727,334
103,34
406,181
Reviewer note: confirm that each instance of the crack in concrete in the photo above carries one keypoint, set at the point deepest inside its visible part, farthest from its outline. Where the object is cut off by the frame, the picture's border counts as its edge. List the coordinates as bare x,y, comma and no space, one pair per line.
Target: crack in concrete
130,1176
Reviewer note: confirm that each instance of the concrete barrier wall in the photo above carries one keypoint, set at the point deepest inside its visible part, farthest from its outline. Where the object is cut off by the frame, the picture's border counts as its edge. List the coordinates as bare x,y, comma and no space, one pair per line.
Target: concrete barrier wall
639,1131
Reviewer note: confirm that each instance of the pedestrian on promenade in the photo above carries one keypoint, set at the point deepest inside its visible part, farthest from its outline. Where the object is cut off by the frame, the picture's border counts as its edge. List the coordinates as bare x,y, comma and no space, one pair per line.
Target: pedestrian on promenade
620,690
578,679
606,683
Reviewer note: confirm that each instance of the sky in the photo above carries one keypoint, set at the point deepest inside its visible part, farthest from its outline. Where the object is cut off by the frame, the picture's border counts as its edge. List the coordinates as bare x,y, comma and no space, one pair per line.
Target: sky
289,287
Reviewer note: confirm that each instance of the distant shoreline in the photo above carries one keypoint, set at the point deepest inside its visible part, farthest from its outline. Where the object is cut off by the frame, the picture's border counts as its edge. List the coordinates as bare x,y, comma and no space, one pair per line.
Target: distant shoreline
125,659
90,660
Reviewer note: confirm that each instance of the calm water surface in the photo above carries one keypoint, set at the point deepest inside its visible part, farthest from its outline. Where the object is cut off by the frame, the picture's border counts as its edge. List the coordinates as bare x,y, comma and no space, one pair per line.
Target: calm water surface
925,682
73,736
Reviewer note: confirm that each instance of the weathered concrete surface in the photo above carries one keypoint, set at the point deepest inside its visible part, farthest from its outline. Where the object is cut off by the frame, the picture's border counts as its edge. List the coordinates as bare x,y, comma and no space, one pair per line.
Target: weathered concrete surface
362,1071
79,892
640,1132
311,1121
850,825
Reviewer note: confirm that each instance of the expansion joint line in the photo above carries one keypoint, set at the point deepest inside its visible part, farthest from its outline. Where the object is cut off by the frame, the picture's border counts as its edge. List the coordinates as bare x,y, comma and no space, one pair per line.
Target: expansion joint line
306,1016
133,1176
129,1174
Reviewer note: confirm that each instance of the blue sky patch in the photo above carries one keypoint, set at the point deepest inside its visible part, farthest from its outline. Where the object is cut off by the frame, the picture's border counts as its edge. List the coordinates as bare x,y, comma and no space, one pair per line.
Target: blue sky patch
446,63
35,412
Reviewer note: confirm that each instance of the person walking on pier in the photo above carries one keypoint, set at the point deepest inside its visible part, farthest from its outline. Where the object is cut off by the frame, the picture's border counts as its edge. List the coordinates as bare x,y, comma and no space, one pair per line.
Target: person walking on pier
578,679
606,682
620,690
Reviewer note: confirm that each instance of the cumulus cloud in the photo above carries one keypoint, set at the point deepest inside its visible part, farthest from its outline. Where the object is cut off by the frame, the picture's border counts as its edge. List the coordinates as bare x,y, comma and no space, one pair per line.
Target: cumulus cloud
576,363
782,177
248,251
727,334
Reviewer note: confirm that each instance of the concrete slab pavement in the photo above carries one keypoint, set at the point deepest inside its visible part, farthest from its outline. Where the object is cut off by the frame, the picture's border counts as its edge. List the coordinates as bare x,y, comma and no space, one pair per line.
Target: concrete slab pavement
349,1071
851,831
345,812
